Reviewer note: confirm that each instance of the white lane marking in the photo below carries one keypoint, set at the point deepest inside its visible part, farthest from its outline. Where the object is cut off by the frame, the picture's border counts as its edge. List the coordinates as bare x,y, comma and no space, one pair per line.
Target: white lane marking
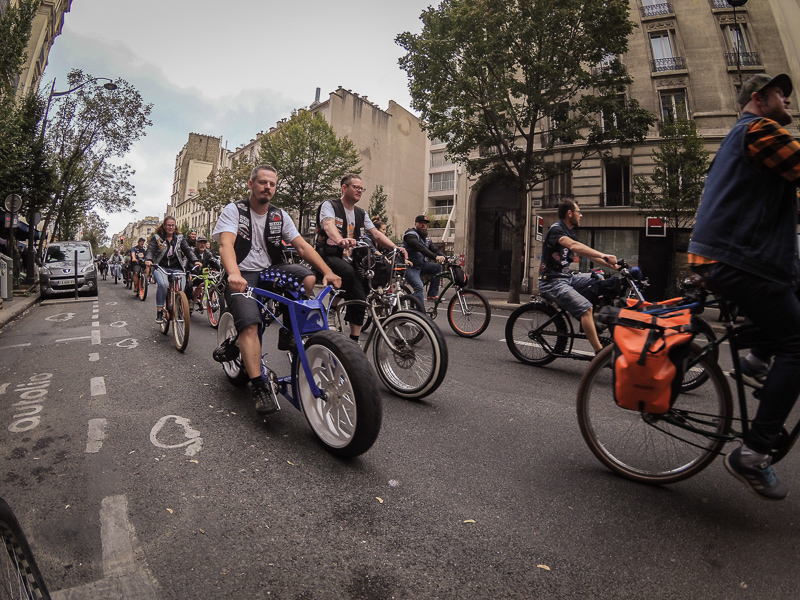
98,386
128,343
193,445
97,433
16,346
95,323
118,324
94,357
74,339
111,303
3,388
60,317
95,338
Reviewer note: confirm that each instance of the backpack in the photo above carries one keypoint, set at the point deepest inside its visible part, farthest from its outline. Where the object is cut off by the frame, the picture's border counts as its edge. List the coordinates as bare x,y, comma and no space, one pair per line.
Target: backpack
459,277
649,356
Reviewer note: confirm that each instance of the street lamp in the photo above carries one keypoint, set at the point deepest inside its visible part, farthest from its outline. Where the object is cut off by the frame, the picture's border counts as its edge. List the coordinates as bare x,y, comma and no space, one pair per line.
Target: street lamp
30,257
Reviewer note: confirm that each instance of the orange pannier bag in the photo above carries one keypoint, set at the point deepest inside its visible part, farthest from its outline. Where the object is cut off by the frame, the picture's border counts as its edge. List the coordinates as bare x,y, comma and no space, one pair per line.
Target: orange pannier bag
649,356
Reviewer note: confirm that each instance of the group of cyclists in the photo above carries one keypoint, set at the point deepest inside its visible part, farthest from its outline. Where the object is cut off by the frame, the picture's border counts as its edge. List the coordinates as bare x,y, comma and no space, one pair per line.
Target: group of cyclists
744,245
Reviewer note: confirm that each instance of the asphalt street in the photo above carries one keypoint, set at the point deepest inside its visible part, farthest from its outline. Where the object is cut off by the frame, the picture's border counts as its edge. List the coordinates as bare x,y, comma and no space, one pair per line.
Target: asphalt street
141,472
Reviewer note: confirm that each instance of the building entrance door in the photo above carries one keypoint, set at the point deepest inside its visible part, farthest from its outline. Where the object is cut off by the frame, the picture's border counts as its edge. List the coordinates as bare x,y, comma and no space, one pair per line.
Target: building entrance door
494,222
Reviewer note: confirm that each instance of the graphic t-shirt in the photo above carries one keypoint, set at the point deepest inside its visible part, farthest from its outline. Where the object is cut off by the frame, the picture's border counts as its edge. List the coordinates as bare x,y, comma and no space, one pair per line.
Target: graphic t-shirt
326,212
556,258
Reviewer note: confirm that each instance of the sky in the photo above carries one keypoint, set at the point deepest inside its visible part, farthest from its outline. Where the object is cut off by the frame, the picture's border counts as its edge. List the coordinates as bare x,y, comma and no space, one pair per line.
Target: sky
229,69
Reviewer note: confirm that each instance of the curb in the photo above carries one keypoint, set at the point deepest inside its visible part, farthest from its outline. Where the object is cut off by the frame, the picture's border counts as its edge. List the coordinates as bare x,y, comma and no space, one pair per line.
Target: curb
13,309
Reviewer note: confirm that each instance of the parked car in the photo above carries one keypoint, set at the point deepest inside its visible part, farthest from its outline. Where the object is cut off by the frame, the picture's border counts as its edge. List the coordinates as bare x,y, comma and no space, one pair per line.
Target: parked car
57,272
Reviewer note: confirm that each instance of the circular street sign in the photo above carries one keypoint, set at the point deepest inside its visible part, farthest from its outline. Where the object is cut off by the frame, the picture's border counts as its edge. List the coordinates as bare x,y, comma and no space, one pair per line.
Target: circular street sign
13,203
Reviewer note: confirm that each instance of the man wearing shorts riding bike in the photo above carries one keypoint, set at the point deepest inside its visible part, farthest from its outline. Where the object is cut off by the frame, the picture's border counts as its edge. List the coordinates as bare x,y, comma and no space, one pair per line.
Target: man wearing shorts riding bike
250,233
744,245
341,225
557,282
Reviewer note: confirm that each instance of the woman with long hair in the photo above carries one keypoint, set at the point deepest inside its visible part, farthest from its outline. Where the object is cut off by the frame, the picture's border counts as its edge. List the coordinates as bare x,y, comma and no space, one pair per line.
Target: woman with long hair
170,251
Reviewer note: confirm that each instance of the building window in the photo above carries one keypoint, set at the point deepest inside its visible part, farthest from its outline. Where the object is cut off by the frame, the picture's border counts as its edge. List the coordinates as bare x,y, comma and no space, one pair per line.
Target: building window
739,48
442,181
610,117
617,183
439,159
558,187
664,57
673,106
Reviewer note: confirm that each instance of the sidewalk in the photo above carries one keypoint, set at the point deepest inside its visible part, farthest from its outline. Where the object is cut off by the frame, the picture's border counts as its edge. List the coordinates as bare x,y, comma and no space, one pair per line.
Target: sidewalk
15,306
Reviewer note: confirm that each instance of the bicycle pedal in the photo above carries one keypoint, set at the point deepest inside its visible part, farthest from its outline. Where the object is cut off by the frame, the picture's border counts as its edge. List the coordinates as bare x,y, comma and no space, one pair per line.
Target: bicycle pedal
226,352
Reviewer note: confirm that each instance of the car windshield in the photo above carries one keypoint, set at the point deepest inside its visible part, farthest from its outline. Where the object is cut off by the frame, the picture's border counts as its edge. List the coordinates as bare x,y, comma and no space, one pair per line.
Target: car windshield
63,253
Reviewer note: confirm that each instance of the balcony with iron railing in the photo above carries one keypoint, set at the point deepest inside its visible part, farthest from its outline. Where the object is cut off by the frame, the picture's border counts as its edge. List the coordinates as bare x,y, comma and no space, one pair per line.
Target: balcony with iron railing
617,199
746,59
552,200
673,63
723,4
657,10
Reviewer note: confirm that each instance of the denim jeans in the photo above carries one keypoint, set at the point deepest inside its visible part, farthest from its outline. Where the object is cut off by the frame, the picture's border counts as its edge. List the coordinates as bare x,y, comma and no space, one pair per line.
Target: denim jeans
775,309
163,283
414,277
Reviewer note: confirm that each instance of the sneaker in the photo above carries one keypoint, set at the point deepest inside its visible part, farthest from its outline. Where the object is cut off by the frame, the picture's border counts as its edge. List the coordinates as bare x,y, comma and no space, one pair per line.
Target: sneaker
759,479
266,403
754,378
159,316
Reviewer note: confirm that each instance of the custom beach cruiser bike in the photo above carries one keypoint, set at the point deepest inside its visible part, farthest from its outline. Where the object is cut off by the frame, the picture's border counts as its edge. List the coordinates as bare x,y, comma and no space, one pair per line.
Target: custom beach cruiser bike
331,382
408,349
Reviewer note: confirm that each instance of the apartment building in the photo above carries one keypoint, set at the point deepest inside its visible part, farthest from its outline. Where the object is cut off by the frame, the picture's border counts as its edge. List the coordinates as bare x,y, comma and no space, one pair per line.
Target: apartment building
199,157
686,58
46,27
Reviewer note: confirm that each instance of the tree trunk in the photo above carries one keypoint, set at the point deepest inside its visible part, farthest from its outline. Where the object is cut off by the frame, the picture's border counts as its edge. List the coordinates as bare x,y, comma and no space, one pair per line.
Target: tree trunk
518,248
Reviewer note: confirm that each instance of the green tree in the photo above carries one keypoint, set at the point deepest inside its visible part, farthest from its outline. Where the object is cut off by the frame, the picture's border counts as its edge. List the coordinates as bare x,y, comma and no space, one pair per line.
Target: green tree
92,129
310,159
513,80
94,231
674,189
226,185
377,207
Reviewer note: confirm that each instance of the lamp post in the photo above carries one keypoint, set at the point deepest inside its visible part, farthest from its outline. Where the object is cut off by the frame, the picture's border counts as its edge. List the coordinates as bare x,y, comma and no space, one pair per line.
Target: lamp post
30,257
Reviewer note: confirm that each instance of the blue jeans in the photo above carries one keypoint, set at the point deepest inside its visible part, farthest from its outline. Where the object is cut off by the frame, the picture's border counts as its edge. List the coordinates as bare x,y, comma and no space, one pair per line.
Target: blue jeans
775,309
163,284
414,277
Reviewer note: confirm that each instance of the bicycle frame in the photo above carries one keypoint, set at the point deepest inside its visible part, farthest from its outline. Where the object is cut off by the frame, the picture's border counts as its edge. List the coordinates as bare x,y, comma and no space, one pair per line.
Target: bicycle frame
306,317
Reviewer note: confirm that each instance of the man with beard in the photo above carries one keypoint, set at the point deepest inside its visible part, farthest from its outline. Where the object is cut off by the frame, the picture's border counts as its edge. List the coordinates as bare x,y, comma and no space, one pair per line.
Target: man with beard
557,282
341,225
744,245
250,233
426,259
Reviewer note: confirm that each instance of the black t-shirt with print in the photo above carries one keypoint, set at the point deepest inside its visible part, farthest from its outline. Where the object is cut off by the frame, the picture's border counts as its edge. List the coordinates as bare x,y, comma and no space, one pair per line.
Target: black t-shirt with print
556,258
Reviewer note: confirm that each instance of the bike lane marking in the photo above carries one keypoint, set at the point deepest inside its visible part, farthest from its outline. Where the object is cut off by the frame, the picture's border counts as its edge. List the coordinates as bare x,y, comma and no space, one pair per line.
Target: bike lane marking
98,386
32,394
96,435
193,445
94,357
75,339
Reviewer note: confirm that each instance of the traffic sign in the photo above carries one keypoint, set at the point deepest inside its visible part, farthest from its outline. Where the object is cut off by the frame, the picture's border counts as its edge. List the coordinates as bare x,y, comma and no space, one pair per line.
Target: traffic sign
13,203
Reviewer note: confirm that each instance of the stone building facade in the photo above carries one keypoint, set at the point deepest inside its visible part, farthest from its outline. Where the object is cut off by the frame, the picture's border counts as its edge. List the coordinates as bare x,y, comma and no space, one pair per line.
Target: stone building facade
46,27
683,60
199,157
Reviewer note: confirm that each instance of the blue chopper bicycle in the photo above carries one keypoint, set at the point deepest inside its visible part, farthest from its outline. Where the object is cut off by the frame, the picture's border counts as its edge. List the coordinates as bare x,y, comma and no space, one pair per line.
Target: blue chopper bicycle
331,380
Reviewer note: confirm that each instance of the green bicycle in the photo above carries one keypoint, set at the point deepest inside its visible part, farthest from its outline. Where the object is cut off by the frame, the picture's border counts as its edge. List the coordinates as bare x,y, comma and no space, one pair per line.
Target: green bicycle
208,295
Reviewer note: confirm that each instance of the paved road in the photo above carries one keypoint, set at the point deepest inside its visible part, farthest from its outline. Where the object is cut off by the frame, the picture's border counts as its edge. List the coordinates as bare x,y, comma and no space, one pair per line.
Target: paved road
139,472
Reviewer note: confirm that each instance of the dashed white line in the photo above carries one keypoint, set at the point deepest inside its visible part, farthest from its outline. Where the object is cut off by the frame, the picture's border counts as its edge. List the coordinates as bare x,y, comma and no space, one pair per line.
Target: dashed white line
16,346
94,357
74,339
97,433
95,338
98,386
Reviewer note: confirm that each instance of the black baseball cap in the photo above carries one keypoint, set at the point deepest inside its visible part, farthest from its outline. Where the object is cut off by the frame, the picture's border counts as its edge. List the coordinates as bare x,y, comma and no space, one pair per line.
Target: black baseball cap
421,219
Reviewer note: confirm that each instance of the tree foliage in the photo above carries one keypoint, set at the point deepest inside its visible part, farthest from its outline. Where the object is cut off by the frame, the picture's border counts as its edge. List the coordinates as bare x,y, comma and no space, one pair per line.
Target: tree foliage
15,31
310,159
514,80
94,230
674,189
377,207
91,131
226,185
